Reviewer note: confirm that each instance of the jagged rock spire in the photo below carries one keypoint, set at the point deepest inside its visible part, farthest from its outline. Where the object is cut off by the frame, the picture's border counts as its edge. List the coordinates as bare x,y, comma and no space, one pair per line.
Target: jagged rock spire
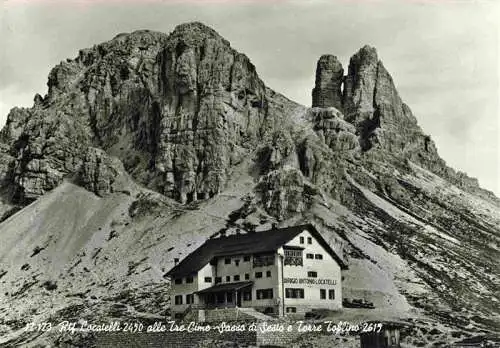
371,102
328,88
360,85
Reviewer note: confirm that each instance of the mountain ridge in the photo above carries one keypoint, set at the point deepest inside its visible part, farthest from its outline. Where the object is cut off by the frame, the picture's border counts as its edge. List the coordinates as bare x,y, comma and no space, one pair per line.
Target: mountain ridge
164,140
202,32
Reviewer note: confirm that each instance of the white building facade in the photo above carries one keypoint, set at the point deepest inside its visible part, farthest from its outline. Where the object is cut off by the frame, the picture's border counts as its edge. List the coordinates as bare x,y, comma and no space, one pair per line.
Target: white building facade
286,271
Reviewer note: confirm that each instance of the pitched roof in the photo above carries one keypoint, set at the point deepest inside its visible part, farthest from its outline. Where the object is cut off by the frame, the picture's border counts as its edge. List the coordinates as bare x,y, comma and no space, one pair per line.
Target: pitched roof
248,243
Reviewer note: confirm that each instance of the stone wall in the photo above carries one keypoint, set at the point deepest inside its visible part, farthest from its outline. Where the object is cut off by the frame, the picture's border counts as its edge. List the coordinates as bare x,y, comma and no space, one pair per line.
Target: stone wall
211,338
276,339
225,314
176,339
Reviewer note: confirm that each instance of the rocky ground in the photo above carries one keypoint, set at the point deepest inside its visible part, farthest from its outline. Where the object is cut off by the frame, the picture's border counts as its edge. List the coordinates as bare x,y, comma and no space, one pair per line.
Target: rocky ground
146,145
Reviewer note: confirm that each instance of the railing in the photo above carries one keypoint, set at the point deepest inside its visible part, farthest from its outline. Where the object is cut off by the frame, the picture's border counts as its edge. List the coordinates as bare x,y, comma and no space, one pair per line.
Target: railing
210,306
186,311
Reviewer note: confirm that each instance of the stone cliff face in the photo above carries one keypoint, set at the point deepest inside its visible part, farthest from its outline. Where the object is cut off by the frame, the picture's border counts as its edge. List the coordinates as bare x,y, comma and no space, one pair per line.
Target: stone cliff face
177,109
213,106
92,100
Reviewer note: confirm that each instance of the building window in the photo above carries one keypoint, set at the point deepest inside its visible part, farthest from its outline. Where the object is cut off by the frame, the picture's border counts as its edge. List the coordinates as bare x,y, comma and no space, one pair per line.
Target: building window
237,262
247,295
227,261
309,256
293,257
189,299
228,279
318,257
312,274
236,278
189,280
268,274
263,260
331,294
246,258
229,297
291,309
264,294
208,279
322,294
178,299
309,240
247,276
218,280
301,240
258,274
294,293
178,280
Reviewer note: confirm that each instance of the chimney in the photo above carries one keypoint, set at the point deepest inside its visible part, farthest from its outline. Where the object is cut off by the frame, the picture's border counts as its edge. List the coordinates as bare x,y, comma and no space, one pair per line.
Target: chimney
176,261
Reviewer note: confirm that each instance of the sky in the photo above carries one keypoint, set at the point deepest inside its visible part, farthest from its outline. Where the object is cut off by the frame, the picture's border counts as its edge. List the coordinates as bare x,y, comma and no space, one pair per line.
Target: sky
443,55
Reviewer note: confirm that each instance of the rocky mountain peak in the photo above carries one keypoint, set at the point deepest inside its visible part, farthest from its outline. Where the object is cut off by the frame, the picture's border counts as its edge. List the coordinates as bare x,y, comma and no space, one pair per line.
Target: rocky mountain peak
365,54
366,96
369,100
194,34
178,110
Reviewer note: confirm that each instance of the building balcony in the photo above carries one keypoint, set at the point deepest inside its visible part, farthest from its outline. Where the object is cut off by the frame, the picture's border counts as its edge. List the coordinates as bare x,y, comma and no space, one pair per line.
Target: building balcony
293,261
263,261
